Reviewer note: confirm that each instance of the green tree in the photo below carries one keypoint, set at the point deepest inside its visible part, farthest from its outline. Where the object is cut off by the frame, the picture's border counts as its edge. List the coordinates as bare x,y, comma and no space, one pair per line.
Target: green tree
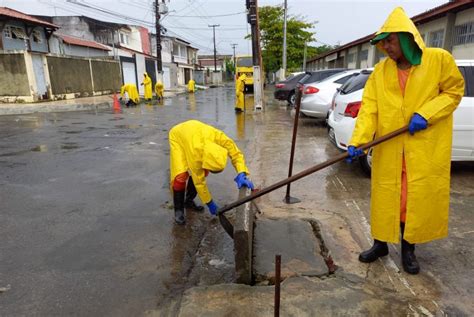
298,33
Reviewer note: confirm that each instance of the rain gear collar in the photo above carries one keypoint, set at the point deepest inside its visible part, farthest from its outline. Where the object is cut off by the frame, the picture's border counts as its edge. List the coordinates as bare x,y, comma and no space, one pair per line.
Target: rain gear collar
411,42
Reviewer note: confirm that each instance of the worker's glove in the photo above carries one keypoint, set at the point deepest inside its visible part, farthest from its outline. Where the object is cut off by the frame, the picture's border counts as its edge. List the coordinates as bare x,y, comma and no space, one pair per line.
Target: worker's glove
354,153
242,180
212,207
417,123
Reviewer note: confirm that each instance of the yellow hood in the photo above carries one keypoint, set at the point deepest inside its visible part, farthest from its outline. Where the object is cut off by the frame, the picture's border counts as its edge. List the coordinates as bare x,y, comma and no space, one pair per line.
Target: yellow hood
398,21
214,157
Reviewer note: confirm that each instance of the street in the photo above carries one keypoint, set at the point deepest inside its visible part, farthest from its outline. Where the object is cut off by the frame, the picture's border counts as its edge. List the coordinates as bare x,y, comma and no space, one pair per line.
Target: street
87,225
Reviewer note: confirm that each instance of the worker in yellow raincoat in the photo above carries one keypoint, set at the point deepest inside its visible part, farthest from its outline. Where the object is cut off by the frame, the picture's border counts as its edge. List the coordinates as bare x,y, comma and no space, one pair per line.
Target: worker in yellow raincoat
132,93
239,93
196,150
147,85
191,86
159,90
419,87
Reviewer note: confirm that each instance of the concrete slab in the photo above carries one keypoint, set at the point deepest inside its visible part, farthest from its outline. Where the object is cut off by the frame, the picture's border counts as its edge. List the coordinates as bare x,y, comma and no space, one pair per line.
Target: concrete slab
295,241
243,239
300,296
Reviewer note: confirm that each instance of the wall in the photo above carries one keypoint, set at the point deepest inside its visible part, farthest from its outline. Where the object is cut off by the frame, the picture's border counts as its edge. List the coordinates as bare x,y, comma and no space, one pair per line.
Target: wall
69,75
14,79
106,75
73,26
14,44
82,51
464,51
425,29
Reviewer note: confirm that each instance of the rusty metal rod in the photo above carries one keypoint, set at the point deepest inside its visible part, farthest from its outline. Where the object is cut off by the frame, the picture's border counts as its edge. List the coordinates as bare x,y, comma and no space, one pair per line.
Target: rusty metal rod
277,284
299,92
309,171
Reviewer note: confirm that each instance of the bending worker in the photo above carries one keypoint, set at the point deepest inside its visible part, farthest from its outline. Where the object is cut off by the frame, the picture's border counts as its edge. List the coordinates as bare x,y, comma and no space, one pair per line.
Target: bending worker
147,85
191,86
159,90
132,93
419,87
239,93
196,150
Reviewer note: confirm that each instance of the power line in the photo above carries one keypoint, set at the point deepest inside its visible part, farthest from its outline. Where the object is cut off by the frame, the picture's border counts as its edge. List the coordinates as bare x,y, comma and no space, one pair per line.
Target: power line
209,16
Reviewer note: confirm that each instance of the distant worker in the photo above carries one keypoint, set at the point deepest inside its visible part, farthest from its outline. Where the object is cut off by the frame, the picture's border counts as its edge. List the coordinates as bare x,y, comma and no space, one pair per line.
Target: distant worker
132,94
191,86
147,85
159,90
196,150
239,93
420,87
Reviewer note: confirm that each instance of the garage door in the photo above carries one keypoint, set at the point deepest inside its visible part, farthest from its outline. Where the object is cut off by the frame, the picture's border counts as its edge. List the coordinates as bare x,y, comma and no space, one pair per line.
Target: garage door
129,72
166,77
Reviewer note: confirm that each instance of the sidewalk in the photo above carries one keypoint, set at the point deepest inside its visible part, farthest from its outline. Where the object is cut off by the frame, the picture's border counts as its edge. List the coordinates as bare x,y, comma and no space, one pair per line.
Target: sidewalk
78,104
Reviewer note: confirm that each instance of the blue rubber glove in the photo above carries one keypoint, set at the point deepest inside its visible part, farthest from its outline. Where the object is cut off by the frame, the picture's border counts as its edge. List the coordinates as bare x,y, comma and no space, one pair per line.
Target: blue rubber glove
212,207
354,153
242,180
417,123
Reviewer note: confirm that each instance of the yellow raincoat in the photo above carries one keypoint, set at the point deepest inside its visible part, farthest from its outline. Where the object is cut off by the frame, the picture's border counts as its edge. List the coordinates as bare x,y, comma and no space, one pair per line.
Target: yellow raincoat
159,89
191,86
196,146
147,85
131,91
239,92
434,90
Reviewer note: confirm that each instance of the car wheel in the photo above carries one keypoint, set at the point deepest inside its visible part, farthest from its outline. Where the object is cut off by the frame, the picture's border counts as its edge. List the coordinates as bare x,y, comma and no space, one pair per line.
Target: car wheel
292,98
366,163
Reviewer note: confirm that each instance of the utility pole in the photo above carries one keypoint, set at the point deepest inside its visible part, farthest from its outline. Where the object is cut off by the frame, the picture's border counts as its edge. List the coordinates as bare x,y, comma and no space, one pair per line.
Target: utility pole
158,37
283,73
304,57
233,47
252,19
213,26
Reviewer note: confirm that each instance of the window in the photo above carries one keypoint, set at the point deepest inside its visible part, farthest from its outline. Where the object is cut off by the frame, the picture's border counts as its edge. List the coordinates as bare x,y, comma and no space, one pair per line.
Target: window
124,39
468,74
464,33
37,38
176,49
364,55
436,38
356,82
343,79
14,32
350,57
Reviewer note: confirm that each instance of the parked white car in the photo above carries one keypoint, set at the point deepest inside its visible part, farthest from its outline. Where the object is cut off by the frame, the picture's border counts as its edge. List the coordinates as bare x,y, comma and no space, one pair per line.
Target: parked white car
317,96
347,102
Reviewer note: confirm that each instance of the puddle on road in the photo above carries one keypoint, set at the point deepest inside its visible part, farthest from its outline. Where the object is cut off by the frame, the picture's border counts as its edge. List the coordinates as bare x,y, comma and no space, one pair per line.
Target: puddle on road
40,148
73,132
128,126
69,146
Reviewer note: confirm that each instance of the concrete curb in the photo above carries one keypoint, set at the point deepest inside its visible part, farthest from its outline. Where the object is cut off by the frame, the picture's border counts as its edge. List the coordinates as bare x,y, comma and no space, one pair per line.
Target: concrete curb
243,239
38,107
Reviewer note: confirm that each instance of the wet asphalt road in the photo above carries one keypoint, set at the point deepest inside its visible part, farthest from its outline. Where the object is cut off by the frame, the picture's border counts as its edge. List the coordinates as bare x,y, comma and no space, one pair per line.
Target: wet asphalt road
86,217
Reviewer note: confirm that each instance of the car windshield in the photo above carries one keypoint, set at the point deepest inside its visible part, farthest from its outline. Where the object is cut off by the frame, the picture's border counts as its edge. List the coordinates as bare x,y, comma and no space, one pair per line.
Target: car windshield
318,76
355,83
244,62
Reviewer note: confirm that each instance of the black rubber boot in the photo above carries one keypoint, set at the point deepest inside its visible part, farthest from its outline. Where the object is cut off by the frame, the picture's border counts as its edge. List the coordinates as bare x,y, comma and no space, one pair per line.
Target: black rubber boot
191,193
378,250
409,261
178,199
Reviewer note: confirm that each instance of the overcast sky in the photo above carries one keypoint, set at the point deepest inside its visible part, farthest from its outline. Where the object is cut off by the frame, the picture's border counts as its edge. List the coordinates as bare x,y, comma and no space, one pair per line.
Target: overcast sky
339,21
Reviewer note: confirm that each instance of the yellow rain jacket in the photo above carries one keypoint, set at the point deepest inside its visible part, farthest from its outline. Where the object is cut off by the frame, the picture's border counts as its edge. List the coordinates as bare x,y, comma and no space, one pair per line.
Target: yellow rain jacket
159,89
434,90
191,86
239,92
196,146
131,91
147,85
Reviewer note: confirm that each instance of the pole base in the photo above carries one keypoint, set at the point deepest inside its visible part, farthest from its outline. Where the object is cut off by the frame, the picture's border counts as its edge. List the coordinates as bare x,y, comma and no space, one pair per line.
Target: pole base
291,200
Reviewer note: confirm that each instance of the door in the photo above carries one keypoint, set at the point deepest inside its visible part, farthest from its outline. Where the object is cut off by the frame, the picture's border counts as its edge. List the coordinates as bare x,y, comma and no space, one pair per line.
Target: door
129,73
166,77
150,69
40,78
187,75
